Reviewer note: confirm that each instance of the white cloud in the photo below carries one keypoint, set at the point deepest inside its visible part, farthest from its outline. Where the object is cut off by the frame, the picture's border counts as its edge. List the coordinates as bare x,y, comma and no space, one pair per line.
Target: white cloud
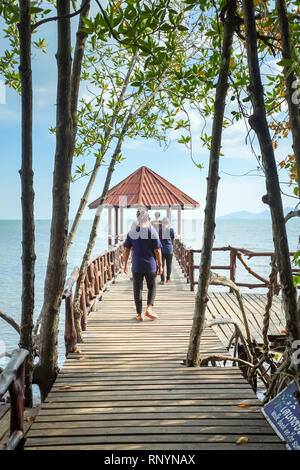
9,115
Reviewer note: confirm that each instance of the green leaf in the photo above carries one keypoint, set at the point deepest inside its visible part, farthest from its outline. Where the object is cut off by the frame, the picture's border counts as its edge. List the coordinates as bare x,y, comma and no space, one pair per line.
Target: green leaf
285,62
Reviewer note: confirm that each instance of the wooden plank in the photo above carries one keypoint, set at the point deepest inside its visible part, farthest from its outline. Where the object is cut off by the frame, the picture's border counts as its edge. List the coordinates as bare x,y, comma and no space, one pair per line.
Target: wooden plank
126,423
139,430
66,417
149,438
183,409
207,446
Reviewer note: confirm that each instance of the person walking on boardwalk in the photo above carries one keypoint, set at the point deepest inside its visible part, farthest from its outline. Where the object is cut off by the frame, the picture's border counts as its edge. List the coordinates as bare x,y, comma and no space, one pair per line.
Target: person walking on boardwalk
146,262
166,235
156,223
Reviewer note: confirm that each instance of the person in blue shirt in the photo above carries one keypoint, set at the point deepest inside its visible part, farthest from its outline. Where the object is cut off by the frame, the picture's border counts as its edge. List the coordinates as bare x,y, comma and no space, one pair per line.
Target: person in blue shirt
166,235
146,262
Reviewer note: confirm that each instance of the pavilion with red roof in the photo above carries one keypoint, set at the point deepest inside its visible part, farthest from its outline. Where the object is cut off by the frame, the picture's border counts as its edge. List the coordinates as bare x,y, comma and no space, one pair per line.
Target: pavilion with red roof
144,188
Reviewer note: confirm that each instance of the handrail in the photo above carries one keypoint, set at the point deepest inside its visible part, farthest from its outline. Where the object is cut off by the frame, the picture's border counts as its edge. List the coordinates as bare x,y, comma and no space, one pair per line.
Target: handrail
12,380
101,271
185,257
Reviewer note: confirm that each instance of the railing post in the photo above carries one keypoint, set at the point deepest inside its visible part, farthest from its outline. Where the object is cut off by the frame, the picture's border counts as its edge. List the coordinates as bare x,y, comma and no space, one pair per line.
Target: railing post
83,308
191,270
12,380
16,393
96,278
70,330
232,267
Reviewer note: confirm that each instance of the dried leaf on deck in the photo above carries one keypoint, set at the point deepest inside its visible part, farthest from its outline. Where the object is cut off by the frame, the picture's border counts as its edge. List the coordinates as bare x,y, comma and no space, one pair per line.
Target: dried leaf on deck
77,351
29,418
242,440
65,387
244,405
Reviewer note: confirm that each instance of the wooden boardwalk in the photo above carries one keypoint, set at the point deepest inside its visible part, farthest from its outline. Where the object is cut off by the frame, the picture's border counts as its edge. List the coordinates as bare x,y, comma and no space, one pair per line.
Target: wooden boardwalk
225,305
5,421
127,388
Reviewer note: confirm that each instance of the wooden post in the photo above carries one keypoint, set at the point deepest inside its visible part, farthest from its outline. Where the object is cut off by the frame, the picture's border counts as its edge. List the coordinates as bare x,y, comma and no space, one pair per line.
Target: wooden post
116,225
16,393
96,279
103,274
191,270
84,310
232,266
179,223
70,331
109,226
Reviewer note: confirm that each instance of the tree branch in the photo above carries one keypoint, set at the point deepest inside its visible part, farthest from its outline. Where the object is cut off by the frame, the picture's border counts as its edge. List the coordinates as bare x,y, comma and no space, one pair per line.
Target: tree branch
55,18
205,360
10,321
292,214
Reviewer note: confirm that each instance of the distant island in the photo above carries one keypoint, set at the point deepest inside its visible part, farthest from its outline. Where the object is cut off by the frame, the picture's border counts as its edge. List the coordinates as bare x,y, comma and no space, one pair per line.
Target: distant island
251,215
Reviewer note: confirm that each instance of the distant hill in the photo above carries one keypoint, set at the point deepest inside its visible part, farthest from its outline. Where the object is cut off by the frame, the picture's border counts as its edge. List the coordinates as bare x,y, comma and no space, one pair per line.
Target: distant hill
251,215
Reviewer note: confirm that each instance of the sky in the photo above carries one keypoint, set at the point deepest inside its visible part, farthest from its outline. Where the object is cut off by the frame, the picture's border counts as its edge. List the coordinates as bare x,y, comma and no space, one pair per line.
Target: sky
236,193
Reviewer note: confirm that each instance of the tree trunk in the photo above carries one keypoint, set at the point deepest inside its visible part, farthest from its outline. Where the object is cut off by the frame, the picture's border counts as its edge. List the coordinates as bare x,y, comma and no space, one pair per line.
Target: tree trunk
77,63
258,122
291,80
212,188
75,83
46,370
93,233
107,137
67,100
27,198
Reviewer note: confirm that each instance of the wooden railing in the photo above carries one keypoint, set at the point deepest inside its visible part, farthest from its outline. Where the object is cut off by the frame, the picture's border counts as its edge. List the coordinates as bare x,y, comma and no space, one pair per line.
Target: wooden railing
12,381
101,271
186,260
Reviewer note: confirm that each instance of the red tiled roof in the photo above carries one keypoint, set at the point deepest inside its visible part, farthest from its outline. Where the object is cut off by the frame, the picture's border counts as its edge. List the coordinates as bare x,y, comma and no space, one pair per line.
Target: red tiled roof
144,187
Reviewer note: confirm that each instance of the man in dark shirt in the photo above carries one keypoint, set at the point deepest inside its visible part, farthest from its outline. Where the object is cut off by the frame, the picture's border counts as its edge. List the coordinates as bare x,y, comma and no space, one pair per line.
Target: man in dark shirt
156,223
166,235
146,262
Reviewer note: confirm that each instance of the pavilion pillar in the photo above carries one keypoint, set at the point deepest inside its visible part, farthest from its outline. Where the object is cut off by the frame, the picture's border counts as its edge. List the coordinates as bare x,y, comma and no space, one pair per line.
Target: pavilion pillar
109,226
179,222
121,223
169,214
116,225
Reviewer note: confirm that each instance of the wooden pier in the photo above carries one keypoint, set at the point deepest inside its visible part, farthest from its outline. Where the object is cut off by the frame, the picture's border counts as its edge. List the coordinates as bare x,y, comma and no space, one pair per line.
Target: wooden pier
126,387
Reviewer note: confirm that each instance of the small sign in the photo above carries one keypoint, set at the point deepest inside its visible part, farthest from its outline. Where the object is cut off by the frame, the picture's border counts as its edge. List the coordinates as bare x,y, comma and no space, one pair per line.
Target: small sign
284,416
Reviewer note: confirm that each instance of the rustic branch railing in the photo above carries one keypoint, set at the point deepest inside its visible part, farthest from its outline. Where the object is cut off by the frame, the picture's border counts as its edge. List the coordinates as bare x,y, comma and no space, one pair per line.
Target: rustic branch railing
185,257
12,380
70,330
101,271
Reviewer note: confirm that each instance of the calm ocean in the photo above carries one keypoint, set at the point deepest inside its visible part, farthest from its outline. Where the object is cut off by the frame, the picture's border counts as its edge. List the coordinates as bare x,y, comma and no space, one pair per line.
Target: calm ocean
253,234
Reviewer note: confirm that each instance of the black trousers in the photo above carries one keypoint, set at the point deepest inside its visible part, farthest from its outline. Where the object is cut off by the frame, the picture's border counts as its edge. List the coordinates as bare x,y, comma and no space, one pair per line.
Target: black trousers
138,280
166,259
